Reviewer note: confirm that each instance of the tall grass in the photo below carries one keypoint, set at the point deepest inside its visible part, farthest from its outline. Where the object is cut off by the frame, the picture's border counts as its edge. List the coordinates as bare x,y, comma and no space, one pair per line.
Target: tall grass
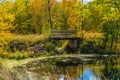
89,35
30,38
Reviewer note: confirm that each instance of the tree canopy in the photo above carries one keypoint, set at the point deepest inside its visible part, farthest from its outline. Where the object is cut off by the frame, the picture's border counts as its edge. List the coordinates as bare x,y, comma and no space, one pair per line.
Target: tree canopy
41,16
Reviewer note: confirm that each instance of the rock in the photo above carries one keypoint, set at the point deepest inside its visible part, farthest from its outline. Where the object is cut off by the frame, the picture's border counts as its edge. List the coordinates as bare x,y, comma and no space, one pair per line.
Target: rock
19,46
37,48
60,50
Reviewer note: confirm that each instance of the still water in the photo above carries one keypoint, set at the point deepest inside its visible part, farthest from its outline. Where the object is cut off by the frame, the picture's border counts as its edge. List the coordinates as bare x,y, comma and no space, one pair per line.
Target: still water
99,69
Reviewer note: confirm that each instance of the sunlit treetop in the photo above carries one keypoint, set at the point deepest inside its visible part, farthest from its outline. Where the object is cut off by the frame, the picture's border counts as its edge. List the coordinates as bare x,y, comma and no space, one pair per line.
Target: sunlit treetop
84,1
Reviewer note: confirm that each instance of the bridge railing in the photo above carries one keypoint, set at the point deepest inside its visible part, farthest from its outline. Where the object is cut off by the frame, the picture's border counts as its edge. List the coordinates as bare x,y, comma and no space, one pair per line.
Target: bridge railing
63,34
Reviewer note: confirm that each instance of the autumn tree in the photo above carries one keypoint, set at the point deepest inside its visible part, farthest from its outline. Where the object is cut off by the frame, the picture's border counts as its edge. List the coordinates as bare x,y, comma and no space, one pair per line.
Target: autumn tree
37,15
6,22
22,17
110,23
66,14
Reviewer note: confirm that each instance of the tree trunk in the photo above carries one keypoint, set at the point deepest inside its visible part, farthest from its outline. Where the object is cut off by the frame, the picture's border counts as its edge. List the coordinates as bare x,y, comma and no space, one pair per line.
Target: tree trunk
49,12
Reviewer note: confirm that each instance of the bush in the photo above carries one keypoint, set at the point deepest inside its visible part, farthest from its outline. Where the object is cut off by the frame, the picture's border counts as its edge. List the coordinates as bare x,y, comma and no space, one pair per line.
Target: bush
5,38
19,55
16,46
50,46
92,46
32,43
87,47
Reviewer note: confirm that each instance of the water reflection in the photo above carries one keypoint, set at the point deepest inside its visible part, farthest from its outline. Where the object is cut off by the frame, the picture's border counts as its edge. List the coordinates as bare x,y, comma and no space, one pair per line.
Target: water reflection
88,74
107,69
61,77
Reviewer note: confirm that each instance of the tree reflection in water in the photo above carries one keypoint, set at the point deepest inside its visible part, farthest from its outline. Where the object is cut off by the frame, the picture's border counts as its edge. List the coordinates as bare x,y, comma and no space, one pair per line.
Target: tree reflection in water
102,69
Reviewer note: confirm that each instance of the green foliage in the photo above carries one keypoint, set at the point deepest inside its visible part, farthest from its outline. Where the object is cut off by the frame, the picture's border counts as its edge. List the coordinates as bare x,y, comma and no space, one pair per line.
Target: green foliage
65,44
22,17
87,47
38,16
33,43
50,46
93,46
1,63
16,55
19,55
1,78
33,16
23,46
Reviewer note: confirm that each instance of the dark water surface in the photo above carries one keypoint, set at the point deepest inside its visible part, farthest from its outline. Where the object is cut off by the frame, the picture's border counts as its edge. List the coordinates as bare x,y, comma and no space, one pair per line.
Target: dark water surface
99,69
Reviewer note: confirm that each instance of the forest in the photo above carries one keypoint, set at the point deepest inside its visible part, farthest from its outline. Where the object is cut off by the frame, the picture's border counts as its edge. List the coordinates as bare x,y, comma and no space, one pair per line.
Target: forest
24,24
26,46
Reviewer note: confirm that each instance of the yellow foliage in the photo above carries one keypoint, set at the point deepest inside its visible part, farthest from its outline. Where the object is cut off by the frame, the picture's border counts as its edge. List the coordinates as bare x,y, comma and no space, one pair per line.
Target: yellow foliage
89,35
5,38
6,23
6,16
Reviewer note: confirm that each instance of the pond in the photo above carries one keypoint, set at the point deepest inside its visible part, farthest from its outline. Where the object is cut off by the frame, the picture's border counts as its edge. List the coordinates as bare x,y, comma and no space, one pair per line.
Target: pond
98,69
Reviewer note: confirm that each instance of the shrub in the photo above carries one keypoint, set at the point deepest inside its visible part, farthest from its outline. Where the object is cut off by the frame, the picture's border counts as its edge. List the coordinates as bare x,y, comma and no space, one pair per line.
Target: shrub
87,47
92,46
19,55
5,38
50,46
26,42
16,46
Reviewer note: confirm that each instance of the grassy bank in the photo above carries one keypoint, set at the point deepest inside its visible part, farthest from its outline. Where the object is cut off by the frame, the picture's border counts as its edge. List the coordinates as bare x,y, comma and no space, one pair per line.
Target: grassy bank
33,45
